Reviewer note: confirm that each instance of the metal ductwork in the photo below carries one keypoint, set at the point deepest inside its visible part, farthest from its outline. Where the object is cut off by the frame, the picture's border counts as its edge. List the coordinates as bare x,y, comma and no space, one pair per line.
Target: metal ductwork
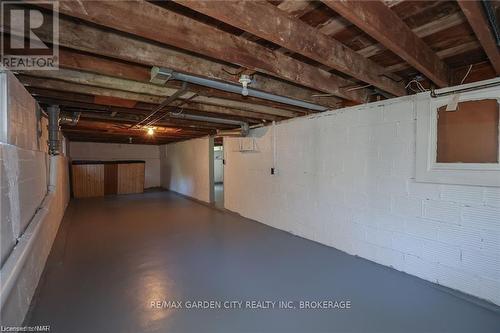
53,128
205,118
162,75
242,131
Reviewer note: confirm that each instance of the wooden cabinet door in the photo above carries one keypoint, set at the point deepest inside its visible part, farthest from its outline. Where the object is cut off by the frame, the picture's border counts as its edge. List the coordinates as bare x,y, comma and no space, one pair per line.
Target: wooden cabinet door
88,180
130,178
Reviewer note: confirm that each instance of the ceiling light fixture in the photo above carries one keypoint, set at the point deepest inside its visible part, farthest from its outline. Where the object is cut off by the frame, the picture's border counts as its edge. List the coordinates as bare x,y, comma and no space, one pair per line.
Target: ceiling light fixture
151,131
245,80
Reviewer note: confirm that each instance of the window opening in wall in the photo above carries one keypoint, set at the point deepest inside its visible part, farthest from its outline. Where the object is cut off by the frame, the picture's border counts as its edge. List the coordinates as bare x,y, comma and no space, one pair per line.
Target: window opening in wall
470,134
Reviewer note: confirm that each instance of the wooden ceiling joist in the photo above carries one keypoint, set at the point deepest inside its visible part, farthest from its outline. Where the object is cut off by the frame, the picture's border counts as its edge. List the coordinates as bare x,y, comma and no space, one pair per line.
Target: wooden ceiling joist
60,89
93,40
71,59
272,24
149,93
116,114
477,19
380,22
425,30
143,19
443,54
123,128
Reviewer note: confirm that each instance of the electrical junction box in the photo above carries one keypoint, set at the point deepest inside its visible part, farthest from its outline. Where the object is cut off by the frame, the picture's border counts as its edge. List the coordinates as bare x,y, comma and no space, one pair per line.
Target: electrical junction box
247,144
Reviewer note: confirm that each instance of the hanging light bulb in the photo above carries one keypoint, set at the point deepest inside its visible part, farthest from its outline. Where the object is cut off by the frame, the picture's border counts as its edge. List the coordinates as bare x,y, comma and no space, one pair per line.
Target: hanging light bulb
151,131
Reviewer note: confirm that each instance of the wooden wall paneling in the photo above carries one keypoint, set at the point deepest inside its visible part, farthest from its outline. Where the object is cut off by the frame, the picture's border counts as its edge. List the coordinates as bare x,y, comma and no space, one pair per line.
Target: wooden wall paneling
130,178
88,180
110,179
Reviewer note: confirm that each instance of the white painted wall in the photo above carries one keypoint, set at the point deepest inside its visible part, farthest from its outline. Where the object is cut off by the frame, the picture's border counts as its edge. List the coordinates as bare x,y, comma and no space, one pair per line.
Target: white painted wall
187,168
346,179
117,151
34,195
218,166
23,161
23,267
23,175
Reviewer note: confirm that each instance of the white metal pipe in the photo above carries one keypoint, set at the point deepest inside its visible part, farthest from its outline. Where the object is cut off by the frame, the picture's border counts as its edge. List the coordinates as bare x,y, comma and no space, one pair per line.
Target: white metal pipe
207,119
167,74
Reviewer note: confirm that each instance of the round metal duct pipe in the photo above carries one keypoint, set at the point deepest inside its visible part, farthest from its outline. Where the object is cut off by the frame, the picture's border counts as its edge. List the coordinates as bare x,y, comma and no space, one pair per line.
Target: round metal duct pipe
164,74
53,127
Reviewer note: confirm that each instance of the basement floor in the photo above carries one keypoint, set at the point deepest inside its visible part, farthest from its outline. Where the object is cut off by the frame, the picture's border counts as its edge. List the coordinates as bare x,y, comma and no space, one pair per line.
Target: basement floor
113,256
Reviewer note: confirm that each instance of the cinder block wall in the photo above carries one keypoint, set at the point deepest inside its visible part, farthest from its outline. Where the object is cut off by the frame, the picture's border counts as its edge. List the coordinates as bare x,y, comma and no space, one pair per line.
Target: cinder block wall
23,168
346,179
34,195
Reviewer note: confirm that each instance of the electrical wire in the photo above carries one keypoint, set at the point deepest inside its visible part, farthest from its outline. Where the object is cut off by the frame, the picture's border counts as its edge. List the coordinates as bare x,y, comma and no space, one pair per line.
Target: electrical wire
184,102
357,88
235,74
420,87
466,74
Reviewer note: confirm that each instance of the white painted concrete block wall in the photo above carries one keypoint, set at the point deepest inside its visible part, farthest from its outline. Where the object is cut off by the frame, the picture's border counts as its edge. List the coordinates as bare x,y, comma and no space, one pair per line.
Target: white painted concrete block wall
34,246
116,151
346,179
186,168
32,202
22,126
23,176
23,164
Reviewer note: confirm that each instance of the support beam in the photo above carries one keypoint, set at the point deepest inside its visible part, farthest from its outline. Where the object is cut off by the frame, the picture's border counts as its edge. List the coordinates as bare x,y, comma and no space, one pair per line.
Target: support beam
104,81
82,101
384,25
105,136
123,129
120,98
422,31
143,19
79,36
127,118
270,23
477,19
132,115
71,59
443,54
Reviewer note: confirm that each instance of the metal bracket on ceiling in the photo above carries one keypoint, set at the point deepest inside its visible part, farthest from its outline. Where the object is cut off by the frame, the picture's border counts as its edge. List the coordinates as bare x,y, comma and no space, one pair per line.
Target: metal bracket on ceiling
161,76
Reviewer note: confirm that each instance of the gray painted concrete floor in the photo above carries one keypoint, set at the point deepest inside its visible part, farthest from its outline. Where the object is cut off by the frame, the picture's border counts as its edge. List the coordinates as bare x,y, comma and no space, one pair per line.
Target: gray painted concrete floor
115,255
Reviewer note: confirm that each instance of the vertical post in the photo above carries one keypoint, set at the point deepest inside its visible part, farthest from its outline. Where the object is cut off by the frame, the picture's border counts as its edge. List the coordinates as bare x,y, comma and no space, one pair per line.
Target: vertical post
53,127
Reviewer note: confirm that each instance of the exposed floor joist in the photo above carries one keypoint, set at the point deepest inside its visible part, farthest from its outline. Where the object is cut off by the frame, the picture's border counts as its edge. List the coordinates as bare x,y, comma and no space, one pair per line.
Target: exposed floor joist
143,19
97,41
272,24
381,23
475,15
293,48
114,103
106,82
132,116
430,28
70,59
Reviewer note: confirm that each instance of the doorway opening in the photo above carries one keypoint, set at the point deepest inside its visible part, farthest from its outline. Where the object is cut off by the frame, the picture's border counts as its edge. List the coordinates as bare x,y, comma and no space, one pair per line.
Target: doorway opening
218,182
